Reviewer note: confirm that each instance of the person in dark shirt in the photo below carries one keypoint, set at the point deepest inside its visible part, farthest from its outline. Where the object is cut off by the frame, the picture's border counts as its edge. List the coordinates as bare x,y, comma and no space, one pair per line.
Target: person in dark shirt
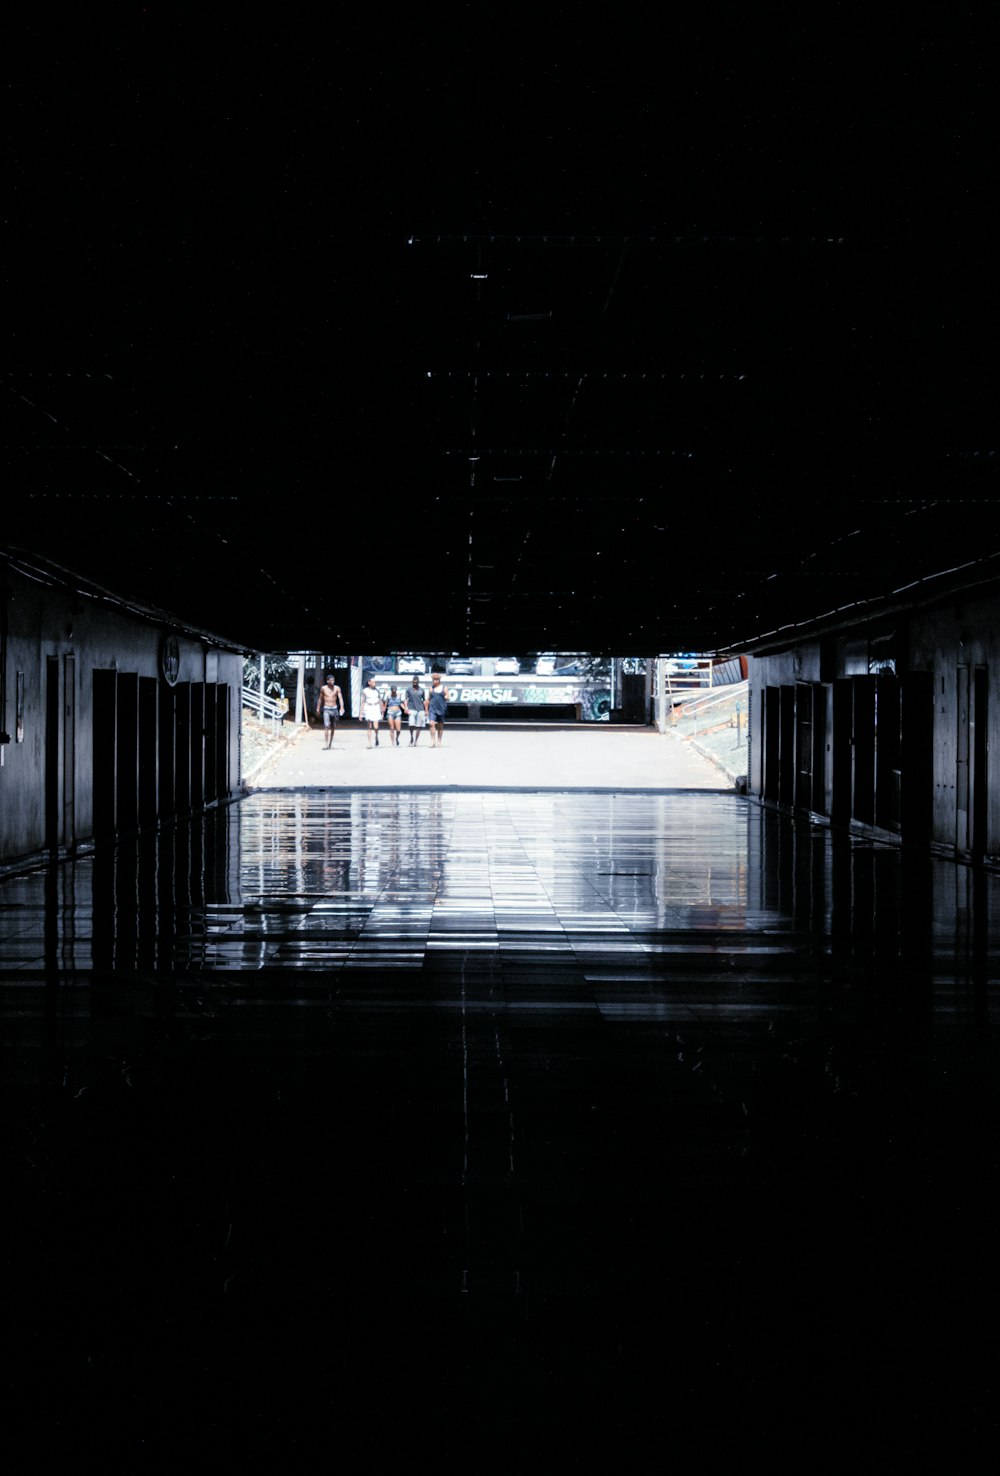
437,707
415,707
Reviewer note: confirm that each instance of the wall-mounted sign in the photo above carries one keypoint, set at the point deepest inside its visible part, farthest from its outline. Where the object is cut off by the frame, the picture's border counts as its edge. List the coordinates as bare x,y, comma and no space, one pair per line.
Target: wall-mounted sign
594,700
170,658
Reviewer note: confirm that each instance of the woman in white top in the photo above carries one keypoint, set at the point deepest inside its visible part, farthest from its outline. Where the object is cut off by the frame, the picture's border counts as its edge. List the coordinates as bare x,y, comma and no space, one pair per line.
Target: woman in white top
371,710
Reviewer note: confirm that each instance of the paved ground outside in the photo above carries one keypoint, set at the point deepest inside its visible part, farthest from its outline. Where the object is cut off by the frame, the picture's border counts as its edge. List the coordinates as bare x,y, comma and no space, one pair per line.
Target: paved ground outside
478,758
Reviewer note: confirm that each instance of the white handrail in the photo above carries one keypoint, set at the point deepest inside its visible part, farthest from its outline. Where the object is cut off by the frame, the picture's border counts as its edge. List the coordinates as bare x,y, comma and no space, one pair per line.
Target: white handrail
713,698
263,707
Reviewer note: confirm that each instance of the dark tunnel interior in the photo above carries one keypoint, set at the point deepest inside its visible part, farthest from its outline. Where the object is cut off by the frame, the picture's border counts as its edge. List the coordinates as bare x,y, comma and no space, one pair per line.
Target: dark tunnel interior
494,1123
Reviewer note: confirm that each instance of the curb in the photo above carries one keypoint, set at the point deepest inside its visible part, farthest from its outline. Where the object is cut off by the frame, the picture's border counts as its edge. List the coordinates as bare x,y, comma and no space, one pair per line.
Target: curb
706,753
282,745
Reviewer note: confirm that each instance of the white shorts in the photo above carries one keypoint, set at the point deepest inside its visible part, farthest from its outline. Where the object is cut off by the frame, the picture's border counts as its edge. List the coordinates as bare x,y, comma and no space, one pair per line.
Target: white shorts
418,719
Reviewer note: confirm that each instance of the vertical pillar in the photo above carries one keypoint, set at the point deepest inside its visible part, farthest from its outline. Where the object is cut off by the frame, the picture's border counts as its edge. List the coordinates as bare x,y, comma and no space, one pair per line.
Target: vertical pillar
197,742
841,766
69,750
979,757
211,742
888,773
127,744
182,749
803,745
864,691
167,805
786,744
105,750
53,761
300,690
148,773
916,736
771,745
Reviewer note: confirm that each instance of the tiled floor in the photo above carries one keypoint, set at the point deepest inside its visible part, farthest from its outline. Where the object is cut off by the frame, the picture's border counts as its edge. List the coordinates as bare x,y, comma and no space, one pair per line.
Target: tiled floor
448,1127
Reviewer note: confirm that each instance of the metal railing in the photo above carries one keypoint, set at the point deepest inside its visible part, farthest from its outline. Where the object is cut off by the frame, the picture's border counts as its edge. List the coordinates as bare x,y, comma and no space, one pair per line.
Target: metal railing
696,673
718,697
265,708
716,723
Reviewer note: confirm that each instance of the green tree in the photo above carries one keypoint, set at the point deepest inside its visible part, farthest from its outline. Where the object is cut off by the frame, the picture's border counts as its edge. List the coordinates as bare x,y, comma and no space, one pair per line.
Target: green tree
278,673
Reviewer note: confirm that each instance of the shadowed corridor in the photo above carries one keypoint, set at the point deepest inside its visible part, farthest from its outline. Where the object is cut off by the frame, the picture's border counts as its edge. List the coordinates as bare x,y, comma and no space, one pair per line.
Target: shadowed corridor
467,1122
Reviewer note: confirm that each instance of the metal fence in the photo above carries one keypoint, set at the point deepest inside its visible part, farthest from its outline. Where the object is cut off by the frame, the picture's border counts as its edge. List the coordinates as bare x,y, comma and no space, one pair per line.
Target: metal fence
266,709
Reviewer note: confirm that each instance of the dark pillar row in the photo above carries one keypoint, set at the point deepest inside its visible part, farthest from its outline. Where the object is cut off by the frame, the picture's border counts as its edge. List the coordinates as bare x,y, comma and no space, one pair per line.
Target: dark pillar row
859,749
158,752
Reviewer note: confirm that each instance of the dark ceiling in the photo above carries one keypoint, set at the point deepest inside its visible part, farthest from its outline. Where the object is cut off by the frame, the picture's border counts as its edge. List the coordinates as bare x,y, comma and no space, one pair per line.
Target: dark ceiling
406,341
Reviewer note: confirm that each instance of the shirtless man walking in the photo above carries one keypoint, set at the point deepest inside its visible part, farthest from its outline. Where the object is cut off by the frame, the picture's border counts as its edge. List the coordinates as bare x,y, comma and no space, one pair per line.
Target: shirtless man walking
330,703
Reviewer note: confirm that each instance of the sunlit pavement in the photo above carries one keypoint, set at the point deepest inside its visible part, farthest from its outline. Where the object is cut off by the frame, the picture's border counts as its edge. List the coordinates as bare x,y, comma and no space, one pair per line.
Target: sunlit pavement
601,758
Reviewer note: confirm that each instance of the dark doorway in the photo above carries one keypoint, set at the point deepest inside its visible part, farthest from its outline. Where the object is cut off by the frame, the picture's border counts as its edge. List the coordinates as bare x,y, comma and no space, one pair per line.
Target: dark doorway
633,697
888,755
197,743
222,741
842,766
211,746
863,749
182,742
52,747
963,751
810,713
127,745
820,695
772,741
167,751
979,749
105,729
147,746
786,745
916,761
69,751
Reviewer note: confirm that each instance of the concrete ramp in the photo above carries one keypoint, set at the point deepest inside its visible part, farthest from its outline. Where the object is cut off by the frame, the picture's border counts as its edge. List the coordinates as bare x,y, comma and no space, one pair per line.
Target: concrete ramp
560,759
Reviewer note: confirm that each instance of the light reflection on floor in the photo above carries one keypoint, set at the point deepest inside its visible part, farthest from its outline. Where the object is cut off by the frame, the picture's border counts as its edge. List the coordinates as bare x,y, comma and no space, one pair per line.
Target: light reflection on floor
580,1112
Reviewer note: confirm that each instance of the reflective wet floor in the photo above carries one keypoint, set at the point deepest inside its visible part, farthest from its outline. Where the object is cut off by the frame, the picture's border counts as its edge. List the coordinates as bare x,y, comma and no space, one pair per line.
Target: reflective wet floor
459,1128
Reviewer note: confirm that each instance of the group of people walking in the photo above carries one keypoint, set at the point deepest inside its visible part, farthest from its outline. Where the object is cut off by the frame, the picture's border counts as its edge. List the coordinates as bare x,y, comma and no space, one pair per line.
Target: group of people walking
421,708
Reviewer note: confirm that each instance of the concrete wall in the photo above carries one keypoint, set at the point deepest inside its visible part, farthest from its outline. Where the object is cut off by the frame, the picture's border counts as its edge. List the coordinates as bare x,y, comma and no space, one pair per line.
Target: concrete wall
890,726
960,645
52,645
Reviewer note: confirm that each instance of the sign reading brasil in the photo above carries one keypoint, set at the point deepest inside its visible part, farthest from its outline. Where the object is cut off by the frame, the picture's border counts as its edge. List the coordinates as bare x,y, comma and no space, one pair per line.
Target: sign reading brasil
463,691
594,702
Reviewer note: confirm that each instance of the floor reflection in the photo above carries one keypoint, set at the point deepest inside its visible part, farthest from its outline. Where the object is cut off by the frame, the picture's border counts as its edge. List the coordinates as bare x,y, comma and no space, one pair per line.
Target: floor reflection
588,1111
